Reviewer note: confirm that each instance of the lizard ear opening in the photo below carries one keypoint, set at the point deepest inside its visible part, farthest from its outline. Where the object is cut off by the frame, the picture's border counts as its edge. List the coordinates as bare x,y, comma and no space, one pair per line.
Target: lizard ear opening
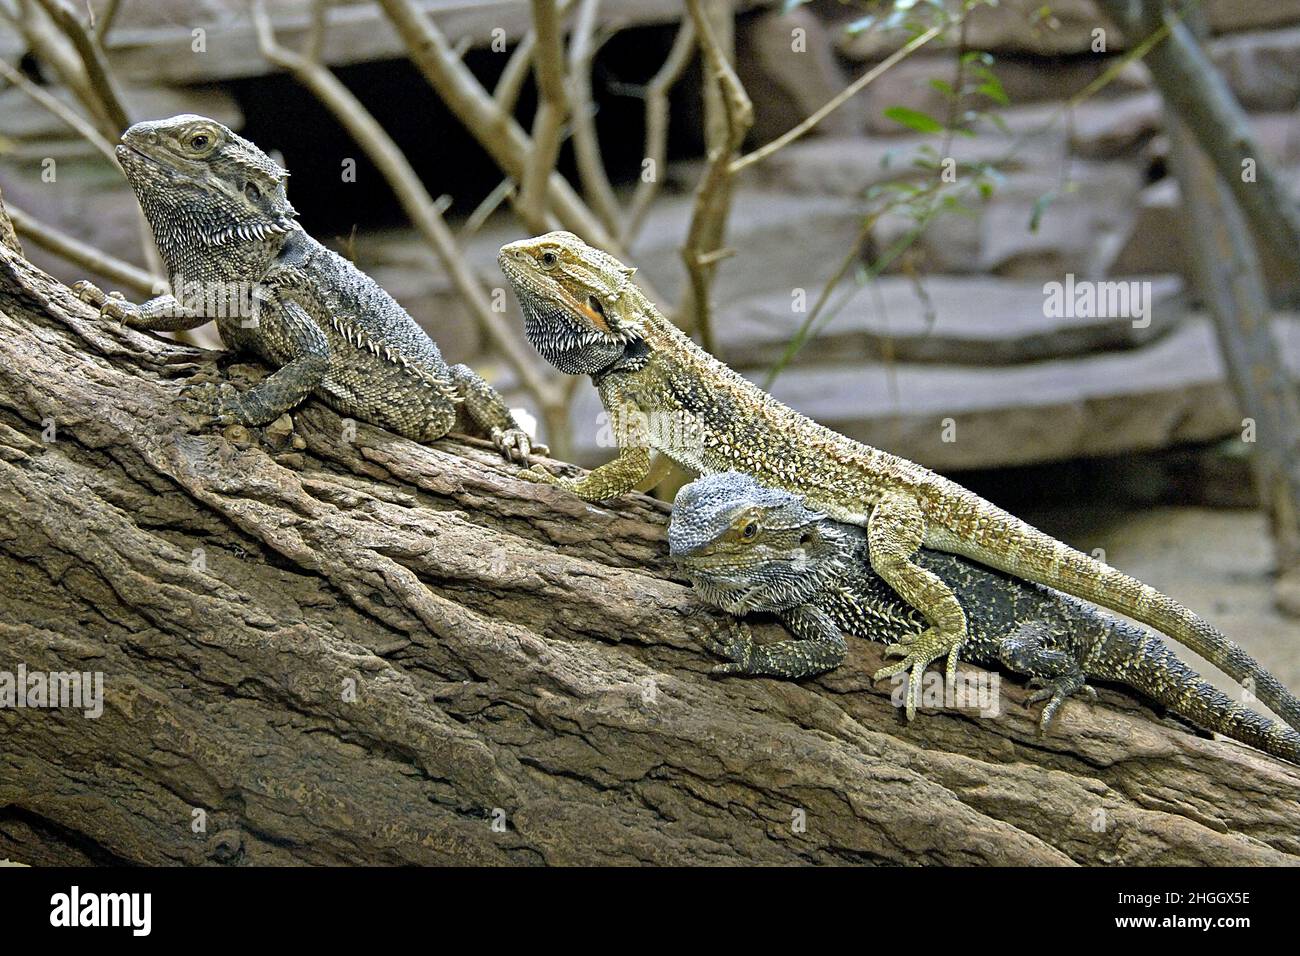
593,303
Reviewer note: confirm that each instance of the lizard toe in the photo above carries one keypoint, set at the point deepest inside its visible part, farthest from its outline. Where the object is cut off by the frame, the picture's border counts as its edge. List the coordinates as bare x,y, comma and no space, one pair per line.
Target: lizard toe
88,292
218,402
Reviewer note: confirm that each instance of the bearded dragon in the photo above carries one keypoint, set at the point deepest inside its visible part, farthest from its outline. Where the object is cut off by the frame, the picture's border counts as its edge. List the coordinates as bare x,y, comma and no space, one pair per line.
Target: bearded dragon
749,550
586,316
235,253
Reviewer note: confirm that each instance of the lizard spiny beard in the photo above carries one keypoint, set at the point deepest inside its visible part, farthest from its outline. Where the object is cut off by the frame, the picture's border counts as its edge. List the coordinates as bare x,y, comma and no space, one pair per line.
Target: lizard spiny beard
562,342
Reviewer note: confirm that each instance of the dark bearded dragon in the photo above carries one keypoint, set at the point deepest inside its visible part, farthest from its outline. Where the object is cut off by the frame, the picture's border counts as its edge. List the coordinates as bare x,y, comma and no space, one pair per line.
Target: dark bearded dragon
235,253
750,549
585,316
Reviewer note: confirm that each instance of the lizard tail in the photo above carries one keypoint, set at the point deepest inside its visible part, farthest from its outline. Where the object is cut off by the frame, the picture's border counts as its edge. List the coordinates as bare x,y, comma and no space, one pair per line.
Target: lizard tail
1059,566
1142,660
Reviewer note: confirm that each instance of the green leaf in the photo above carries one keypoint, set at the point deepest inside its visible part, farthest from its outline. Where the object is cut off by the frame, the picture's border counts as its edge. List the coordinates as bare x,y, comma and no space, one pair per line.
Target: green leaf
914,119
1040,207
992,88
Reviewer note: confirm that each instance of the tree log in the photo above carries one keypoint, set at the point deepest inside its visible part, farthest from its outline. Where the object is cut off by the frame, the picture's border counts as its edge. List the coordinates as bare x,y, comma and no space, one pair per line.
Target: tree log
366,650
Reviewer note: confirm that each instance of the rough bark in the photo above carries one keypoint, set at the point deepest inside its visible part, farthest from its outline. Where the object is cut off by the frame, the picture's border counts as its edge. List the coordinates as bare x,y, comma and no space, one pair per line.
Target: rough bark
1200,96
518,655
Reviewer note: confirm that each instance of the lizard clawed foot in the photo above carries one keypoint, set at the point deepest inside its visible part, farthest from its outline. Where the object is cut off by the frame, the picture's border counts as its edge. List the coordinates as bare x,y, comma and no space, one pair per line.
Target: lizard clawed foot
541,476
111,305
219,402
515,444
918,652
738,648
1055,691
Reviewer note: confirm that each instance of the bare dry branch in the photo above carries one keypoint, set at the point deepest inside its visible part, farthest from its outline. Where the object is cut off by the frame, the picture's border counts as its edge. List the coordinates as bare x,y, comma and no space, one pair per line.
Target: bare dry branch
104,23
713,193
552,111
53,50
656,126
410,192
498,133
86,256
491,202
511,80
99,80
74,120
1192,86
586,145
837,100
84,71
315,43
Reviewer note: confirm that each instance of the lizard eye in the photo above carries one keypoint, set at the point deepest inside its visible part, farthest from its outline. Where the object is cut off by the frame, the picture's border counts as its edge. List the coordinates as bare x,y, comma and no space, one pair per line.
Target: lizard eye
200,141
549,260
749,530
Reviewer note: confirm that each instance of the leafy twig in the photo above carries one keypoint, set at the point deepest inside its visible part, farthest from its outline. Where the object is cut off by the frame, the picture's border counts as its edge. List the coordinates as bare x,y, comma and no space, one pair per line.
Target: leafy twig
838,100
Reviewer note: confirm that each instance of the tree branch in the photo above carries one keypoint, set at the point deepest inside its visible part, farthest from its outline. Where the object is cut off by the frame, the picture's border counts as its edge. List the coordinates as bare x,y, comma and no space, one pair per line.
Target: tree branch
494,129
340,646
656,126
61,110
702,249
582,116
838,100
552,111
1200,96
86,256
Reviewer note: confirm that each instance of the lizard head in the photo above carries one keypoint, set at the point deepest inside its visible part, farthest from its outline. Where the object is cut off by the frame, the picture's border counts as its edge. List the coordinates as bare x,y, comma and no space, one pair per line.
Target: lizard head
748,547
578,302
193,175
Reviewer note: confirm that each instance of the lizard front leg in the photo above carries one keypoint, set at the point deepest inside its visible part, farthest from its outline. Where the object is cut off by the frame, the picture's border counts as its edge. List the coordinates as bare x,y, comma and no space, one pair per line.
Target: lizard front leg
1027,650
609,480
488,411
288,330
160,314
895,532
819,647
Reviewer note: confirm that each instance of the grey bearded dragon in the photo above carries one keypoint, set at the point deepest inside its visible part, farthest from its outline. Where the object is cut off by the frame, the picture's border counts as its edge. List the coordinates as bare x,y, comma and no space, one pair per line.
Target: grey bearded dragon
218,211
749,549
584,314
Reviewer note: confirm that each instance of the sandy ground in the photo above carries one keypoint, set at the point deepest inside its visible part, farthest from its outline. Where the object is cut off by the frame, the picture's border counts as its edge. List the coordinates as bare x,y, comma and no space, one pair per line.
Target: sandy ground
1217,562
